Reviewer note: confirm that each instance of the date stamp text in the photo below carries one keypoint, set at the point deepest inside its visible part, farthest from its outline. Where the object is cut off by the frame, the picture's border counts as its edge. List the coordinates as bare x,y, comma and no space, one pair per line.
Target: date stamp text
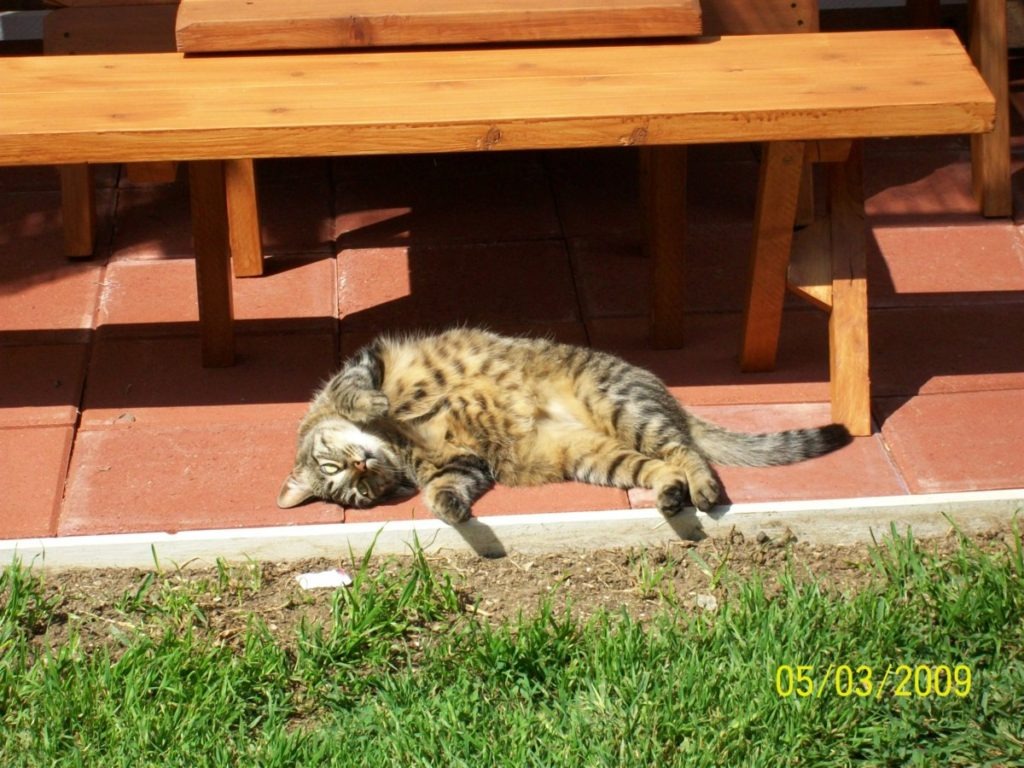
873,681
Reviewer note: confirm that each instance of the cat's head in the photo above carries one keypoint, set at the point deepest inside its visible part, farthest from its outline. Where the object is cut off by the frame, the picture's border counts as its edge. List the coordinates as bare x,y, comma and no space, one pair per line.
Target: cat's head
341,462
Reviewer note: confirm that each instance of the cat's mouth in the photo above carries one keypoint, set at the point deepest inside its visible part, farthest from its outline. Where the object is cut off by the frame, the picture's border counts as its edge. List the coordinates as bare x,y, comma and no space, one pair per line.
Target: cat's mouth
364,495
364,485
361,494
377,482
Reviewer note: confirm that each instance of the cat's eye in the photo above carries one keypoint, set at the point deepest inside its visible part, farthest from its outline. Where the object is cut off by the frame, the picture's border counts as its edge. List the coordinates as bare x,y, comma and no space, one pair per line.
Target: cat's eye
363,487
329,468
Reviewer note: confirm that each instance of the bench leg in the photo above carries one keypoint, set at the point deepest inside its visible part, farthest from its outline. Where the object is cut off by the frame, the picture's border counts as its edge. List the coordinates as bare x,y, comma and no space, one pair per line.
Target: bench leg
243,218
782,165
805,203
849,377
78,209
663,189
213,263
990,152
825,265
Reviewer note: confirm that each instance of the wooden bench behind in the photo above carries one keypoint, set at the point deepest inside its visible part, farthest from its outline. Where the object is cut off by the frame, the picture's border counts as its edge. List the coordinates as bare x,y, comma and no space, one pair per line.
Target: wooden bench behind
793,91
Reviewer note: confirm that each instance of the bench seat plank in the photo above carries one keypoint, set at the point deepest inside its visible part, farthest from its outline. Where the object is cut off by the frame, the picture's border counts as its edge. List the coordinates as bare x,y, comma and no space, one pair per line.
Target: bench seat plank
756,88
776,89
205,26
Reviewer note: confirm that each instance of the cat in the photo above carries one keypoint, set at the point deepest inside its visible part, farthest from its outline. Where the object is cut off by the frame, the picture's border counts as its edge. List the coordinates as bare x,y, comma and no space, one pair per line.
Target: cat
452,413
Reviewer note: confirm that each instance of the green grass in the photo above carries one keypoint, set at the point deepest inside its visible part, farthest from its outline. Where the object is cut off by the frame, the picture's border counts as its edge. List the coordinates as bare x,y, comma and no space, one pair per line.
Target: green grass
402,674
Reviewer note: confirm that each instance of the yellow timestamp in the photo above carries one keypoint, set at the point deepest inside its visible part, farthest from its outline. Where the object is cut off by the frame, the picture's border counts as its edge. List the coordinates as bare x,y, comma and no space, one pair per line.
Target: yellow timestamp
867,681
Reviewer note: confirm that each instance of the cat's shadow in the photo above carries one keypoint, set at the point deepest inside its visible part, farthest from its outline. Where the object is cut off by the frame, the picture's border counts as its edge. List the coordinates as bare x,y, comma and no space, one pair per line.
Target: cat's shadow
687,526
481,538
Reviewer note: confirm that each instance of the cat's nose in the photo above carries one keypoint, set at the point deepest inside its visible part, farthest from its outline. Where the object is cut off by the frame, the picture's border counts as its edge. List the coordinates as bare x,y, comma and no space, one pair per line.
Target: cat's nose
359,465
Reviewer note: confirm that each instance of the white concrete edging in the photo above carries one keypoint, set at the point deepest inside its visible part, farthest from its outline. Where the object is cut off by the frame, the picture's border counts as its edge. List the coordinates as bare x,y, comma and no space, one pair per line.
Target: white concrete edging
831,521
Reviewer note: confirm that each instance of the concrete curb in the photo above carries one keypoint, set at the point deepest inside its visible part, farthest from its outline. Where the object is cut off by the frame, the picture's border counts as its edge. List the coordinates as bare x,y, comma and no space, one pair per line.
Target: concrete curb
832,521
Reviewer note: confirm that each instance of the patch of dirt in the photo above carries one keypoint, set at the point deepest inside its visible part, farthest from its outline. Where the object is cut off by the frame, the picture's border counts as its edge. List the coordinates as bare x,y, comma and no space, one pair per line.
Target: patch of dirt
108,605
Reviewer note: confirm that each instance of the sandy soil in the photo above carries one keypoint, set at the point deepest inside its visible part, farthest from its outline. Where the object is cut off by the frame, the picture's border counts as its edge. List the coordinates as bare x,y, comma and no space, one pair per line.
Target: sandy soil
689,577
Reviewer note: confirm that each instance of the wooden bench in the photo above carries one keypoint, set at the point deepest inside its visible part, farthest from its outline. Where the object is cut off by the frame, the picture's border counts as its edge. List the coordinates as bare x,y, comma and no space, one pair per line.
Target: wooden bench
223,26
990,152
807,95
138,26
219,26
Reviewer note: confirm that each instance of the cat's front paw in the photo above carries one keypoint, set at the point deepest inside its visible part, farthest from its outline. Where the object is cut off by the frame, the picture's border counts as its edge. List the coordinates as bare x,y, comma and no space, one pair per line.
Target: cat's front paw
448,506
369,405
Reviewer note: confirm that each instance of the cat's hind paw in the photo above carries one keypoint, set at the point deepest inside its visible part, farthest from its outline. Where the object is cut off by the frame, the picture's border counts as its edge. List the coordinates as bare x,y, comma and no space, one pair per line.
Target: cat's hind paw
672,498
704,493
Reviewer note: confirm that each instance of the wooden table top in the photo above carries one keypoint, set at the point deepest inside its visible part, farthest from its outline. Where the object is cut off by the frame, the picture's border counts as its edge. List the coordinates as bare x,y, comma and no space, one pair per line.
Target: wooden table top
208,26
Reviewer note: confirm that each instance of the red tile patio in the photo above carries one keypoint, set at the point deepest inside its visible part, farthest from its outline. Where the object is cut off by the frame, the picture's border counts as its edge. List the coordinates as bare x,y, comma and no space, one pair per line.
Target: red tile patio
109,424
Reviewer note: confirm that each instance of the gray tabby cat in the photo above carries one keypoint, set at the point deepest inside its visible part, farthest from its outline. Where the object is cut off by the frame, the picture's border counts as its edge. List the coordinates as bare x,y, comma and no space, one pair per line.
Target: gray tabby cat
453,413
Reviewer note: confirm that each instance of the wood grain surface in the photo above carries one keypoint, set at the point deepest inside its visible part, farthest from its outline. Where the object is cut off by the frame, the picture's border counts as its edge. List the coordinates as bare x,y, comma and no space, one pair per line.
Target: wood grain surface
265,25
750,88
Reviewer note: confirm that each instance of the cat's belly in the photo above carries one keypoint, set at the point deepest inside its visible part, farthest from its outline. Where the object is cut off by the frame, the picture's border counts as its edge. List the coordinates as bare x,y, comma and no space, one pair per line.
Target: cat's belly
516,444
558,413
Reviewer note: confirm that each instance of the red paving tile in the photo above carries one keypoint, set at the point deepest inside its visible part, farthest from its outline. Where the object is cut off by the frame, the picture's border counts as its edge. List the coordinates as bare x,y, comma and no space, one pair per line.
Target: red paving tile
32,478
542,243
567,333
717,266
295,216
41,385
557,497
706,370
919,188
49,304
502,500
613,276
384,288
183,478
153,222
159,297
295,213
160,382
44,296
442,199
399,510
722,191
961,441
826,477
957,264
947,349
30,229
597,191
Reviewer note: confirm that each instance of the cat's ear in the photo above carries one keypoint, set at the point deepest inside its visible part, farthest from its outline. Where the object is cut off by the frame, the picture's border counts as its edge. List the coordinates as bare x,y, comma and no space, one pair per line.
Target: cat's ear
294,491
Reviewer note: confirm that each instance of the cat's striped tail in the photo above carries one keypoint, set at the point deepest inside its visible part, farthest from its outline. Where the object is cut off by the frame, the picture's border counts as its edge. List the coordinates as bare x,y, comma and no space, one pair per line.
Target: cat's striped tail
741,449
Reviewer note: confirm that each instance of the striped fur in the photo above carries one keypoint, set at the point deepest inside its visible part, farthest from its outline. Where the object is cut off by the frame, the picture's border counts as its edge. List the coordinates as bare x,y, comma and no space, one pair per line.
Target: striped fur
455,412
